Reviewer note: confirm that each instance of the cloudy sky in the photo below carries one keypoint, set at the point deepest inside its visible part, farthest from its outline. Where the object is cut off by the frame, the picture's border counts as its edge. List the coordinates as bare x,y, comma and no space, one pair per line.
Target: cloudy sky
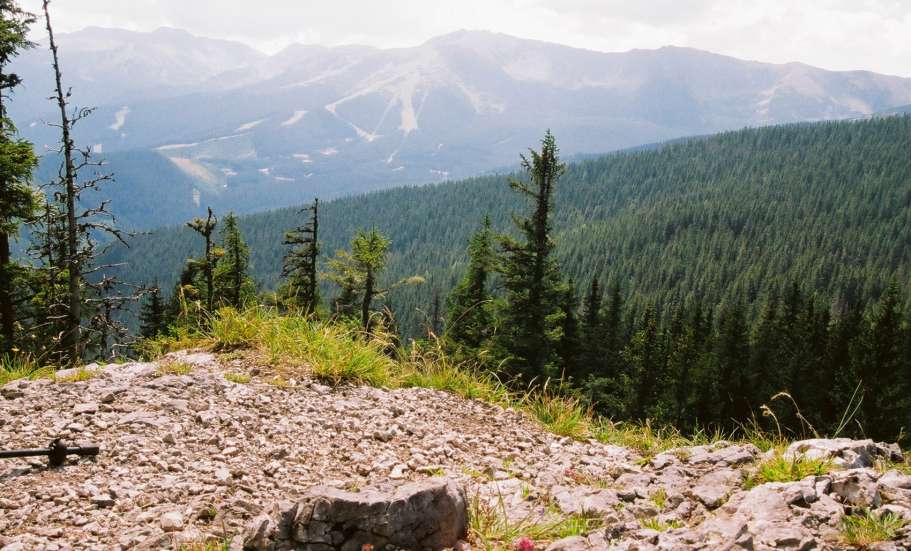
834,34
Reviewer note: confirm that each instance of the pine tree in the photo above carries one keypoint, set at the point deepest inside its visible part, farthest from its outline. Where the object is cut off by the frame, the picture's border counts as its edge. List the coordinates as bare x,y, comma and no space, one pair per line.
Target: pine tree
206,264
433,328
645,370
765,353
882,371
152,315
592,333
357,272
469,308
233,287
569,342
17,161
732,354
300,265
531,276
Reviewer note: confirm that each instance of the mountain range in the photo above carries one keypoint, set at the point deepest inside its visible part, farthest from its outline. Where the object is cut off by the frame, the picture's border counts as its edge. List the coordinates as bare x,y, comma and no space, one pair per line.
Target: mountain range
186,121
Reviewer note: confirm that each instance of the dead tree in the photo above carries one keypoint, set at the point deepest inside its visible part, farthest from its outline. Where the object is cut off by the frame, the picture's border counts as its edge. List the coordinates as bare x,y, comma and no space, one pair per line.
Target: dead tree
87,283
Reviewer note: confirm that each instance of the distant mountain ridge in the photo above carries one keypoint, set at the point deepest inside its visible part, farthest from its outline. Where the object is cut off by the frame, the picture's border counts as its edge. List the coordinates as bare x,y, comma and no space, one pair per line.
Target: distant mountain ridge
254,132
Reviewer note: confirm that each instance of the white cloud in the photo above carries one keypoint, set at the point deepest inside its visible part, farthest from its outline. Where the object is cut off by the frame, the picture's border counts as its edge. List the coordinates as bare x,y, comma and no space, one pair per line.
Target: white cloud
834,34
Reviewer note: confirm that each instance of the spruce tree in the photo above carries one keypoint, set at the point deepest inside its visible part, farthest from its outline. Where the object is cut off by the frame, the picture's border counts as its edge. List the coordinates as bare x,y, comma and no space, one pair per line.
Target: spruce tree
645,368
531,277
357,272
732,354
206,264
469,307
152,316
569,343
883,371
17,161
300,264
591,355
233,286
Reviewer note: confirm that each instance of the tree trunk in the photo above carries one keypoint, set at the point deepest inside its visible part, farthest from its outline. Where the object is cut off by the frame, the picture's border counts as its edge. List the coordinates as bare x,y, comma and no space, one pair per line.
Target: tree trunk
7,309
314,251
72,338
368,298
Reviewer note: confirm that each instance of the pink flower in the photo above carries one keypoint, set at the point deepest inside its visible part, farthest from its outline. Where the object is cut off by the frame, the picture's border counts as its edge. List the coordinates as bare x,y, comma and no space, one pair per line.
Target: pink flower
524,544
367,547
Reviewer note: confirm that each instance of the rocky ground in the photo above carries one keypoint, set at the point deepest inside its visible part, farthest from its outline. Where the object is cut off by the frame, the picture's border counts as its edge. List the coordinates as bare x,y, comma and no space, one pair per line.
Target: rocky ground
189,456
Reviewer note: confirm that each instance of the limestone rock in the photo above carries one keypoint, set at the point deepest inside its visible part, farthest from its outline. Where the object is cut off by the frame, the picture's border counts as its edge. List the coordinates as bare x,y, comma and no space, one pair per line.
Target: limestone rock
172,521
844,452
429,514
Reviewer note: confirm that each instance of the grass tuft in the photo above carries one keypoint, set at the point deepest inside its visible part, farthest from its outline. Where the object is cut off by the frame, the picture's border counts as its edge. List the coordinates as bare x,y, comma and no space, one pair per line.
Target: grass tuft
661,525
80,375
647,439
867,528
786,469
209,545
560,414
17,366
490,528
238,378
174,368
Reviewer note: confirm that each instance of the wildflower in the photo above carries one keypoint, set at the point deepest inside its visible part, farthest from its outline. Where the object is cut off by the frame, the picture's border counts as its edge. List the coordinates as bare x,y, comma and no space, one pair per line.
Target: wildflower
524,544
367,547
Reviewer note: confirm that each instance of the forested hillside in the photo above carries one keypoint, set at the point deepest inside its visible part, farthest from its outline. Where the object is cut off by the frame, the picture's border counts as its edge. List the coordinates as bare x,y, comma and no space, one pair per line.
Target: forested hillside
824,205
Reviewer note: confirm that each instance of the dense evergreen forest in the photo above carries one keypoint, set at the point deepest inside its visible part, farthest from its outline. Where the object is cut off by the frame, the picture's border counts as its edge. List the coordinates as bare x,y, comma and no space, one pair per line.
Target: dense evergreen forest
691,284
708,220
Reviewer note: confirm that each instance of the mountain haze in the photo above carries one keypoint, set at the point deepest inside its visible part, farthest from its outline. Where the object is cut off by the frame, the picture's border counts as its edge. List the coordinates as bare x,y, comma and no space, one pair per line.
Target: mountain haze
254,132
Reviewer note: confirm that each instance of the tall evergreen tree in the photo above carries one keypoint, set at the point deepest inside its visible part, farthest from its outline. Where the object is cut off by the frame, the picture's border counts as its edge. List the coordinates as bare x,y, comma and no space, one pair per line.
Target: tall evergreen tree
591,355
152,316
17,161
469,306
530,273
645,368
206,264
233,286
358,272
732,354
300,265
883,371
569,344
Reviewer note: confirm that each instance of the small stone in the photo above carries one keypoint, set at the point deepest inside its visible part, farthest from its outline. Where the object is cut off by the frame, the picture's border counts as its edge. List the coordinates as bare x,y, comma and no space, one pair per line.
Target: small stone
103,500
87,408
172,521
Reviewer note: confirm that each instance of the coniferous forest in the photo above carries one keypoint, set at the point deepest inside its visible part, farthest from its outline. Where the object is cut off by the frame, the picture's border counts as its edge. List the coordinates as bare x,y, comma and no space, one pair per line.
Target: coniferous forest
701,283
689,284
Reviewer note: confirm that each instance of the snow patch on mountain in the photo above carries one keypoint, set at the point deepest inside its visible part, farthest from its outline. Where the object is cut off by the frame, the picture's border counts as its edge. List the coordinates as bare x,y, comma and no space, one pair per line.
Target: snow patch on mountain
249,125
295,118
194,169
120,118
169,147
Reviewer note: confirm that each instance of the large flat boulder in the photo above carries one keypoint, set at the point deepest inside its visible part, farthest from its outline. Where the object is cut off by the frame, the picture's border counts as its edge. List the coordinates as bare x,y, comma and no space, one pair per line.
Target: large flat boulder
428,514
